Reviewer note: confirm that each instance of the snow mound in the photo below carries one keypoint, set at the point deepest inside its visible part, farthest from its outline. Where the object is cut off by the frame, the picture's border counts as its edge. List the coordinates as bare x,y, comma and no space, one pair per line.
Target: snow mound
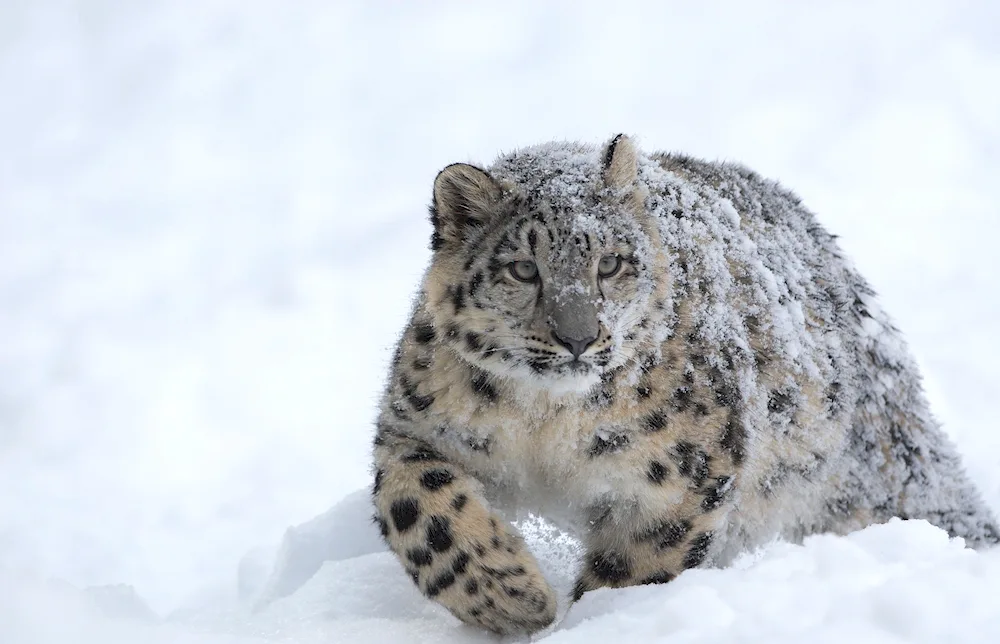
901,581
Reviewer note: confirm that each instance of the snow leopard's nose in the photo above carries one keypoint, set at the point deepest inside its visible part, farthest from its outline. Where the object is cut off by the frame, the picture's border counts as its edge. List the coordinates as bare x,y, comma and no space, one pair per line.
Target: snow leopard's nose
573,318
576,345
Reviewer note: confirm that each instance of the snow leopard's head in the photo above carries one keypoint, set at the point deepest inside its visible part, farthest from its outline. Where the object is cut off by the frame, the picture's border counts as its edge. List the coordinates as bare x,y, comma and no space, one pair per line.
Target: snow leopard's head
547,267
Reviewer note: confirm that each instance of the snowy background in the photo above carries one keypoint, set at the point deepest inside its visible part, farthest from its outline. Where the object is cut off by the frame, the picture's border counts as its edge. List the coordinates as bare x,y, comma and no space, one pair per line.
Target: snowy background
212,219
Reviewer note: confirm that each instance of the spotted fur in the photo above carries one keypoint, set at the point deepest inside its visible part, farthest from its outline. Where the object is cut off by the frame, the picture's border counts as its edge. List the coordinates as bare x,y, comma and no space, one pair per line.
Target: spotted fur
731,381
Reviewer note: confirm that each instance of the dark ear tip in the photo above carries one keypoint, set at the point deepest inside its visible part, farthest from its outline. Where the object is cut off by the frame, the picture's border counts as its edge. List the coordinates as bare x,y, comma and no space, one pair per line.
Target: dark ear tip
609,153
620,162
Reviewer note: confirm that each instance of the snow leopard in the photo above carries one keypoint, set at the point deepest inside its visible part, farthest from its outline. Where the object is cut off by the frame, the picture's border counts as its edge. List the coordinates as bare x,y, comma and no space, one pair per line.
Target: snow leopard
670,356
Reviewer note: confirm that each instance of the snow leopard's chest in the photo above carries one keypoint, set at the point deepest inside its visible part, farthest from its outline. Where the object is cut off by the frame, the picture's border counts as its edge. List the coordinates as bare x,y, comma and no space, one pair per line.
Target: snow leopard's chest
562,460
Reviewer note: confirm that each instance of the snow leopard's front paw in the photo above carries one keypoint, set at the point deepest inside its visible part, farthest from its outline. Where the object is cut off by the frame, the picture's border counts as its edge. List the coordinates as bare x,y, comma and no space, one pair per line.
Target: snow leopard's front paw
455,549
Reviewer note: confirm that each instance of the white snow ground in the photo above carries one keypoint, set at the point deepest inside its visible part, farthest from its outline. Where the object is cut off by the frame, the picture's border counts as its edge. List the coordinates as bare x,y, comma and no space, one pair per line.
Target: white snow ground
212,219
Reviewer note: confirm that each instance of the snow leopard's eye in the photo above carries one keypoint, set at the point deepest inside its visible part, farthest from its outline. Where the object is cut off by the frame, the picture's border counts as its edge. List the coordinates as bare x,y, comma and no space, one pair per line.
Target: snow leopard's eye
524,270
609,265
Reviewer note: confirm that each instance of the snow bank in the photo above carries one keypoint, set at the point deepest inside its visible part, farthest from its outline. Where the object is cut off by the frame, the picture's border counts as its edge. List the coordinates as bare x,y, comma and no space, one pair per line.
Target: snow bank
898,582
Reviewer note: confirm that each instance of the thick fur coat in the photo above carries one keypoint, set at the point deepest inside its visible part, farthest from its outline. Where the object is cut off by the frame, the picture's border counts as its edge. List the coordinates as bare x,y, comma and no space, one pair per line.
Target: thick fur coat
670,356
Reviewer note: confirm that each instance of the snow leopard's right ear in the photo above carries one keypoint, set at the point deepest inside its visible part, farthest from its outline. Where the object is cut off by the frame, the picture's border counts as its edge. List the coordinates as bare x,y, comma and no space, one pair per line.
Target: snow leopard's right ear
464,198
620,164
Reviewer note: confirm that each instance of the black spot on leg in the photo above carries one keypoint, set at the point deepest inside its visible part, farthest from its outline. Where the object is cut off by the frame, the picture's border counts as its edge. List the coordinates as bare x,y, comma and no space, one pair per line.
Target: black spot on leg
442,582
654,421
611,567
459,502
692,462
698,551
643,391
471,586
419,556
404,513
657,472
716,493
436,479
666,534
461,563
439,536
424,333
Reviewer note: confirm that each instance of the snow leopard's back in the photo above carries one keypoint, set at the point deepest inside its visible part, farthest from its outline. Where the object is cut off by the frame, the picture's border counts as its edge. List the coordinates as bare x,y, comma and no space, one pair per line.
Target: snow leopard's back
875,451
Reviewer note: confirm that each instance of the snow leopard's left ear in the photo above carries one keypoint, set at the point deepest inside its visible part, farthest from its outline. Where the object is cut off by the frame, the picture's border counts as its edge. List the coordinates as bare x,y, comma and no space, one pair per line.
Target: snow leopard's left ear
620,165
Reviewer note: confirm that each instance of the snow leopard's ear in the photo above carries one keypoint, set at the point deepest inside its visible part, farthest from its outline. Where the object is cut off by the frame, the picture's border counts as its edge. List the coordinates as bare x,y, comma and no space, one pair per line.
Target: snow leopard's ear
620,165
464,198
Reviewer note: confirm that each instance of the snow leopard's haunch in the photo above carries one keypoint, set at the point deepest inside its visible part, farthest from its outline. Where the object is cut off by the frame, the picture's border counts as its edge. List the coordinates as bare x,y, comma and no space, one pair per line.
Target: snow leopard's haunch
668,355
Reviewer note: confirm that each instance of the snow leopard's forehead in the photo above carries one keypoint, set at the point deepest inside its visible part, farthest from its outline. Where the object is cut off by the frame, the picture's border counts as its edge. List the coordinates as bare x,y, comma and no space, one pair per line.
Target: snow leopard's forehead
566,175
562,185
564,167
